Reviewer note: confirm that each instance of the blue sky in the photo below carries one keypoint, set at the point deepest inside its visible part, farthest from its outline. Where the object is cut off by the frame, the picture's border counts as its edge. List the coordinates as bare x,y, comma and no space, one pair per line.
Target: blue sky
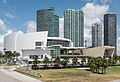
25,10
16,15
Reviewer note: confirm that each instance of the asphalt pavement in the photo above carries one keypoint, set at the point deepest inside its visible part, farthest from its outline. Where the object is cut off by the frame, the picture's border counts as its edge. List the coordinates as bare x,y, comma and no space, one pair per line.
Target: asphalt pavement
5,78
12,76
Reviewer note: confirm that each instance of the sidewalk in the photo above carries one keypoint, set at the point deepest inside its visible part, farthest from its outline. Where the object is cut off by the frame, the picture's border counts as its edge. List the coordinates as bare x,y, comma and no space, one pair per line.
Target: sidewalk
18,76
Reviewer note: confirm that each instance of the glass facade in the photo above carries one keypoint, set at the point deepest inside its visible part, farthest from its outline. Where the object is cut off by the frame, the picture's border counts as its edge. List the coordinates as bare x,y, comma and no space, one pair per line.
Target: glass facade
97,35
47,21
74,26
55,51
110,34
58,42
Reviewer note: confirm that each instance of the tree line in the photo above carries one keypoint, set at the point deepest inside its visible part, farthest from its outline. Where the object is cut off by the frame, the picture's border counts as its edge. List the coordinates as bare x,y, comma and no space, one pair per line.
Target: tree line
97,65
9,57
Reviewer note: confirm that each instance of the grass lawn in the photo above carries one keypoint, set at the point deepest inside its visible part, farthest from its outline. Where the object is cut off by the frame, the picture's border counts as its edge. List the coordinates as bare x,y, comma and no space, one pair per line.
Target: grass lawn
78,75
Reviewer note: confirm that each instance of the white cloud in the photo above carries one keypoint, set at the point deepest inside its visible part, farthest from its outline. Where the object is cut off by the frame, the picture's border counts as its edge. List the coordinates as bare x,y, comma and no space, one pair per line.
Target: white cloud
10,14
100,1
4,31
2,23
61,27
31,26
119,38
20,32
87,37
3,27
94,13
87,33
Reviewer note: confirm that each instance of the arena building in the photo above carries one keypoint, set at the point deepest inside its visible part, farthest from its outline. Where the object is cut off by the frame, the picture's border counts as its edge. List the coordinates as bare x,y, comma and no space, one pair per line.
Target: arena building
38,43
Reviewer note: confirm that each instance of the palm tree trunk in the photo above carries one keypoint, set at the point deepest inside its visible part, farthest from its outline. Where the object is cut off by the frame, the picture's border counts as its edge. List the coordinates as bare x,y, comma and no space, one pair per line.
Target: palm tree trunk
102,70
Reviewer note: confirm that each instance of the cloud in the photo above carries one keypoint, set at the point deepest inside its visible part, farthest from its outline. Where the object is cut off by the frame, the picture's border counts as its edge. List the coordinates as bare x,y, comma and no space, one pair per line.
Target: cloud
61,27
87,37
119,38
10,14
31,26
20,32
87,34
4,30
94,13
99,1
2,23
3,27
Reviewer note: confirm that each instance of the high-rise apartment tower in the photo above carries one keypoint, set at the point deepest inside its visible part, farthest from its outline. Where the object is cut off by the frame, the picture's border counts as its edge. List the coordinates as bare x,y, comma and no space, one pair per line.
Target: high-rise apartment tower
74,26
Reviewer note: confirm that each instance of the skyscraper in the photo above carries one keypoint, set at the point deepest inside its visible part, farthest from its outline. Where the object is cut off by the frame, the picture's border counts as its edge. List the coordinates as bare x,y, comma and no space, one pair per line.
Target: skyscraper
74,26
110,34
48,21
97,35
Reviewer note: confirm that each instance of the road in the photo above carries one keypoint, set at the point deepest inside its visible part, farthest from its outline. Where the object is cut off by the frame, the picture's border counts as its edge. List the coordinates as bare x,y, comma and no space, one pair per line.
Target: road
5,78
12,76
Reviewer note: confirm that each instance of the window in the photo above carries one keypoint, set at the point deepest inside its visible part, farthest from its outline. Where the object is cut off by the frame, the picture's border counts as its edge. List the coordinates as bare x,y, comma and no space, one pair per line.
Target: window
38,43
33,56
37,47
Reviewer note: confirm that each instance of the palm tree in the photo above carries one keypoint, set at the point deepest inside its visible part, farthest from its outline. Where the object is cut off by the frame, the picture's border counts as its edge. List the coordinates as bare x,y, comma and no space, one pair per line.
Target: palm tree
115,59
83,61
65,62
74,61
35,60
119,58
57,61
104,65
92,64
110,60
16,55
99,63
89,60
9,56
1,56
46,61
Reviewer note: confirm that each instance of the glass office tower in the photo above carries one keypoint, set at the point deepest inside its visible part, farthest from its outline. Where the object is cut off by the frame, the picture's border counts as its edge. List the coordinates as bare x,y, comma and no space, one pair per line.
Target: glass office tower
110,34
48,21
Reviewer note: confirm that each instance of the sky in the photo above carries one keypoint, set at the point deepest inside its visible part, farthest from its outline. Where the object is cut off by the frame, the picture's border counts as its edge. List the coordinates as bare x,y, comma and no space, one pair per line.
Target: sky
20,15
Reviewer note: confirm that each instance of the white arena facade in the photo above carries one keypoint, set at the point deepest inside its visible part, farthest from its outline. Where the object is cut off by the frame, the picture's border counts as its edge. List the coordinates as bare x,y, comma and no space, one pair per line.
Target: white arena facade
38,43
35,43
